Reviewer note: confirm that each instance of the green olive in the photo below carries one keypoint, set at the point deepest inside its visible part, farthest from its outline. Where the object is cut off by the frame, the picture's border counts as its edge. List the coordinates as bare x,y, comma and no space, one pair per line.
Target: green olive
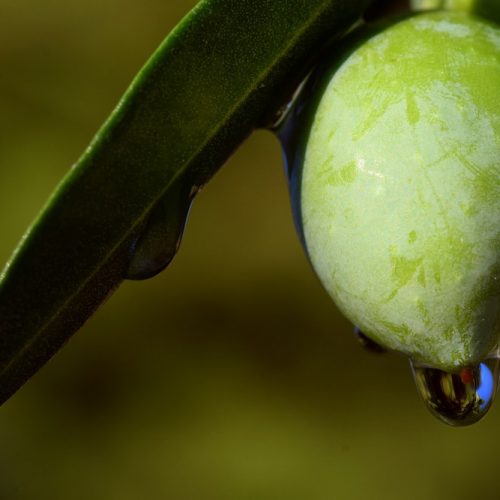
400,187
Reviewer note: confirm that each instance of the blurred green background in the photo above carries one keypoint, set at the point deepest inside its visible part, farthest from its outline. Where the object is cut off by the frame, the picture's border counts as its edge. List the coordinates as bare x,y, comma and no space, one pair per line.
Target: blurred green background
229,376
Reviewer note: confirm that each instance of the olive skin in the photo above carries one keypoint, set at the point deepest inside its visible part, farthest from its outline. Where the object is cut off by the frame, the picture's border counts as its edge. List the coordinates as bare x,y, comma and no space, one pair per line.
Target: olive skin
400,187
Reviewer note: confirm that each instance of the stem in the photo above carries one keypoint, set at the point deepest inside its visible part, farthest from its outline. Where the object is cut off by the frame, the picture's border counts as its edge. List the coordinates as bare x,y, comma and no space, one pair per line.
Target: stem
468,5
488,9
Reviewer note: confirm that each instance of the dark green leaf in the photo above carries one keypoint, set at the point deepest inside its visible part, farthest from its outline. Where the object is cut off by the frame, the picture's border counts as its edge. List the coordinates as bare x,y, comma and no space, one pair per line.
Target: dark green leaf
212,81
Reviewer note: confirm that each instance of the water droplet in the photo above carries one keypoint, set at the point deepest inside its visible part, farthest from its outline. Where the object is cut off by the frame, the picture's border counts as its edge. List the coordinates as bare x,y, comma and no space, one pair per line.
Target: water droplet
278,121
291,129
367,343
160,239
459,398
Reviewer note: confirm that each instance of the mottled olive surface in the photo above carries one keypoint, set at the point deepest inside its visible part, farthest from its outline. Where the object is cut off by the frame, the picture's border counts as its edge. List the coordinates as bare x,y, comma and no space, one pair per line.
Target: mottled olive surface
400,192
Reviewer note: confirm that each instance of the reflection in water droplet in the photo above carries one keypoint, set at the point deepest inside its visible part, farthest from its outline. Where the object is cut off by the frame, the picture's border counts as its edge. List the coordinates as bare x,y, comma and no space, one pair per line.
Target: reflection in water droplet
160,239
367,343
278,121
460,398
291,132
292,127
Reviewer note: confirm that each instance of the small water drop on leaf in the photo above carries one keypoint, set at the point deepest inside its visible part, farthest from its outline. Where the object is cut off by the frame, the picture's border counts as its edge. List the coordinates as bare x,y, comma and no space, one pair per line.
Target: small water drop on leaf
160,239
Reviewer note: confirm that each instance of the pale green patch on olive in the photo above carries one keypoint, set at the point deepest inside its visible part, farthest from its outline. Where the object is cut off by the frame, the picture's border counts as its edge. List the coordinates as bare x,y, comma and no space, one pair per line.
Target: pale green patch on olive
400,189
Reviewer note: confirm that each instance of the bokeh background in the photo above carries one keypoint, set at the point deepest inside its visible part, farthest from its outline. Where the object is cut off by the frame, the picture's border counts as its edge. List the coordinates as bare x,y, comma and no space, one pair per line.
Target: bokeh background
229,376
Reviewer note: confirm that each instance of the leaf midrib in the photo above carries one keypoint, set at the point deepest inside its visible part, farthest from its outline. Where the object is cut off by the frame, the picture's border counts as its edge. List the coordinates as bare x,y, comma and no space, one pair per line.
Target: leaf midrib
33,339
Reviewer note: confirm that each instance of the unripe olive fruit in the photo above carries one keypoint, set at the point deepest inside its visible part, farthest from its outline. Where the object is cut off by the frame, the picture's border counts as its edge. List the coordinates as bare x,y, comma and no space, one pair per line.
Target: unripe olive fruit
399,190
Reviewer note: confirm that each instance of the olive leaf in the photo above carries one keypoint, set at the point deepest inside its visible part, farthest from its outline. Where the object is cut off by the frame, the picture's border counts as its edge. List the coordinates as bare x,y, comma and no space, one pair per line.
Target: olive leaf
119,212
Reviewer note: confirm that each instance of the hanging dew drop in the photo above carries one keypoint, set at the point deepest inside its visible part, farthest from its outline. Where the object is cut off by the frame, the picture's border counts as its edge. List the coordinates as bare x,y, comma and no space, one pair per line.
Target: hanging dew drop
160,239
289,130
367,343
460,398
